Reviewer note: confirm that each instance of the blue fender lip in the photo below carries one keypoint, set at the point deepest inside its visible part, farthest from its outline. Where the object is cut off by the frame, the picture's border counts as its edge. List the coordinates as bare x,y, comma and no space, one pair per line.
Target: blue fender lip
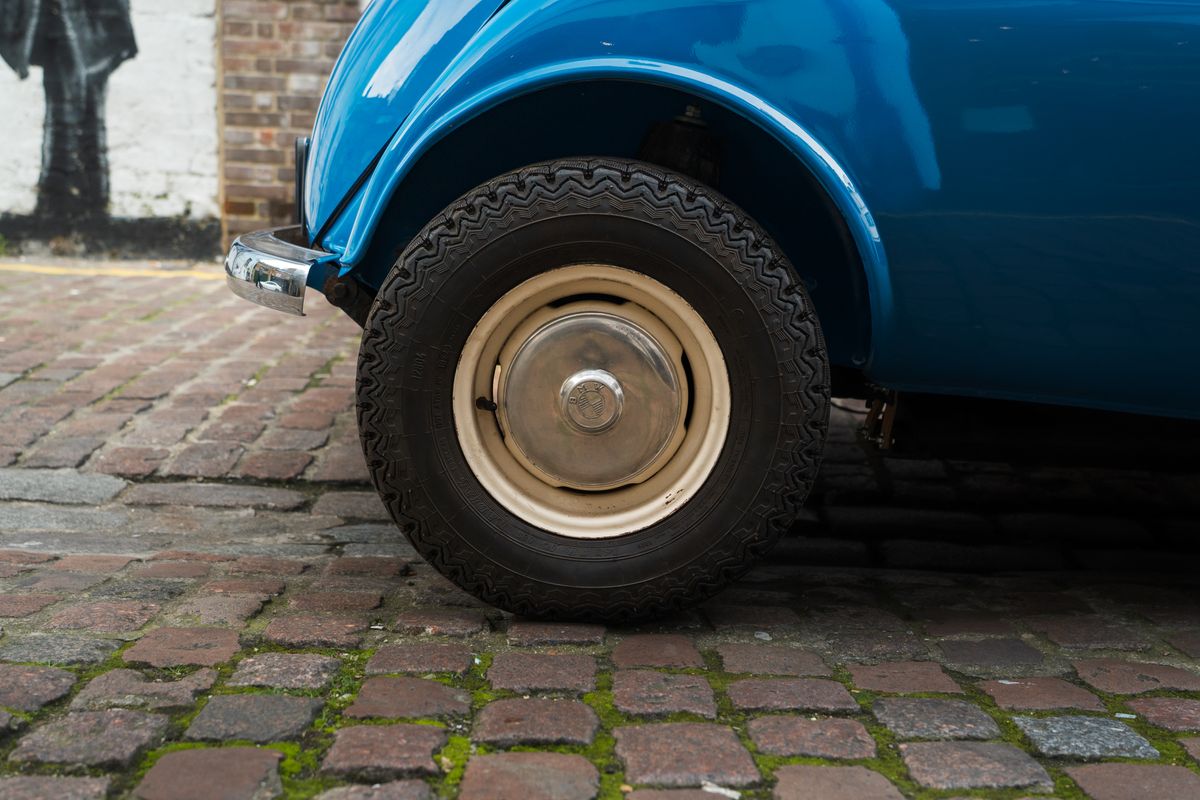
397,51
419,133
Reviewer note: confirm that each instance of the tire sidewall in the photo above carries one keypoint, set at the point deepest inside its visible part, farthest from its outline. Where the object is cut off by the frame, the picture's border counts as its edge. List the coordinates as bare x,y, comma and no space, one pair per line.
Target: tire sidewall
428,327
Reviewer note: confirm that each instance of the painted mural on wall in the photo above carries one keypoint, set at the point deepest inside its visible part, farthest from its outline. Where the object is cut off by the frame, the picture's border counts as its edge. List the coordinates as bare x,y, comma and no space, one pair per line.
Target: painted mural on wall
79,51
78,44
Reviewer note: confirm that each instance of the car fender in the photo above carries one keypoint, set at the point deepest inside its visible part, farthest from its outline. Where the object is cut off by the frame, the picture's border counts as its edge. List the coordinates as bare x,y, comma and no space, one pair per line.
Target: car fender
518,51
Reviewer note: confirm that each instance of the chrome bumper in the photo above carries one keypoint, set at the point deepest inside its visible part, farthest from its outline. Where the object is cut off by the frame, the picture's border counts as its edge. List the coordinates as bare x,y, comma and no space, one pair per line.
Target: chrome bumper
271,268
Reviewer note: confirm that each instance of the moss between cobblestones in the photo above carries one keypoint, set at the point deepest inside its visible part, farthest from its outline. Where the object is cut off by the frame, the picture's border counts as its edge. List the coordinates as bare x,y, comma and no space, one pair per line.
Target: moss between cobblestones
299,768
298,771
83,674
256,377
1167,744
452,759
1064,787
324,371
602,751
163,309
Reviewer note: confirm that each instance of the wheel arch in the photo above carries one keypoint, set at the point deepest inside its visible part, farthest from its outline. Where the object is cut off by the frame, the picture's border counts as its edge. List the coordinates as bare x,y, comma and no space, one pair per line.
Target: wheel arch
772,167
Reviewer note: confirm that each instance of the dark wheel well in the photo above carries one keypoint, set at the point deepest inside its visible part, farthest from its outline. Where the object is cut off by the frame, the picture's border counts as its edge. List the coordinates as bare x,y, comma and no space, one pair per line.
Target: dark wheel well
613,118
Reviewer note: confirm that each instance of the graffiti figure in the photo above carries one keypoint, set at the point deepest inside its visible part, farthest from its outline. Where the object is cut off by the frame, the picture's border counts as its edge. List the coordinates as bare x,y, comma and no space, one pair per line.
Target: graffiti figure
78,44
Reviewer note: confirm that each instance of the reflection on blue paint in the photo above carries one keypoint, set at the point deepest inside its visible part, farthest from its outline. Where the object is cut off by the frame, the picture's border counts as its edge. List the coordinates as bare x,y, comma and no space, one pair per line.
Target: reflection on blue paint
1020,178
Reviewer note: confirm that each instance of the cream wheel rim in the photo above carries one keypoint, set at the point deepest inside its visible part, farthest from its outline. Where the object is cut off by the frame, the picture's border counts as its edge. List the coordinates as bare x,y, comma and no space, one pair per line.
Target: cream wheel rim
591,401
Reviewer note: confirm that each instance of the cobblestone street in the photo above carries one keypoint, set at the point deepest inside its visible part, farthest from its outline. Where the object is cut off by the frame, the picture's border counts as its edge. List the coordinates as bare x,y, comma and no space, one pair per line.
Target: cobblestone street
202,597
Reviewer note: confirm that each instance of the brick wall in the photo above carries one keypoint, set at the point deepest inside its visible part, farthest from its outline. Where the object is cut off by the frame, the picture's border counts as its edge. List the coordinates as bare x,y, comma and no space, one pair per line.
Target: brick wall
275,56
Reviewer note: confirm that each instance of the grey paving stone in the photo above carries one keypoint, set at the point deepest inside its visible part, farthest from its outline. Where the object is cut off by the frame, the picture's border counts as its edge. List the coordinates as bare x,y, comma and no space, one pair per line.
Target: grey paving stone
113,738
1084,737
58,486
535,721
43,787
990,654
215,495
973,765
256,717
26,518
227,772
286,671
25,688
43,648
684,754
126,688
146,589
934,718
812,782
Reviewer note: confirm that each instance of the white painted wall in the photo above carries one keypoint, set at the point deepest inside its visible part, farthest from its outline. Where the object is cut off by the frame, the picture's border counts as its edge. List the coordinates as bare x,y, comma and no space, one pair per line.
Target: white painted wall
21,153
162,119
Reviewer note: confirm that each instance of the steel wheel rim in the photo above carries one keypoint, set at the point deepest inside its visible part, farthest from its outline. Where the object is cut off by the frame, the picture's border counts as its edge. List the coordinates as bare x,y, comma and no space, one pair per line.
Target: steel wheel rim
672,357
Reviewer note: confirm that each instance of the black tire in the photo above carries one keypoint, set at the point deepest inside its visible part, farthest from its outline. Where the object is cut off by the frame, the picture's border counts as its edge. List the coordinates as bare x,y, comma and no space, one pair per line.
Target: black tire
623,213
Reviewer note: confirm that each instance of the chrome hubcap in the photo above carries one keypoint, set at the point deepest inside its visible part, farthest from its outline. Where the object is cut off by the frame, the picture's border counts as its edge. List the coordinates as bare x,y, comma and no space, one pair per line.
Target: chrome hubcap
618,412
573,407
592,400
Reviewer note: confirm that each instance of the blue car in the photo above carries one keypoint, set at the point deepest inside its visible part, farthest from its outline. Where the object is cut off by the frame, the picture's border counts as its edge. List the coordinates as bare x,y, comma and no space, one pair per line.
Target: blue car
611,255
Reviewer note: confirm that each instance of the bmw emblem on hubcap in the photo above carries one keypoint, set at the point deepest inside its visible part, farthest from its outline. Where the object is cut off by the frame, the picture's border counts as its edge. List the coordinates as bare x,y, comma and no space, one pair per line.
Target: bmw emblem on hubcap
592,400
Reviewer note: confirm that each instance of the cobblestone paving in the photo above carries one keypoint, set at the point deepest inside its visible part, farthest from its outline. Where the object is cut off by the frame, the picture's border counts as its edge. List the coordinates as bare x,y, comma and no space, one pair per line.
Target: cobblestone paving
201,597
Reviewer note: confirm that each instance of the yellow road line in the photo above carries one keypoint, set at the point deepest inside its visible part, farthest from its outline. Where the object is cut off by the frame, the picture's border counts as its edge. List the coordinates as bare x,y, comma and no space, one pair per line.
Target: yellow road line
114,272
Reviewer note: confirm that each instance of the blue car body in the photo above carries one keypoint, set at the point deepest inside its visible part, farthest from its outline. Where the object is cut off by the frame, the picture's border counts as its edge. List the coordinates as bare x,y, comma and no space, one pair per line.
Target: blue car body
1007,192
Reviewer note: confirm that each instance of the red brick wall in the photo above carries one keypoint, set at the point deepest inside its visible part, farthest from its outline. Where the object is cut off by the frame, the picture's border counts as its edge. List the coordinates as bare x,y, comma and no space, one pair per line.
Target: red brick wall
274,58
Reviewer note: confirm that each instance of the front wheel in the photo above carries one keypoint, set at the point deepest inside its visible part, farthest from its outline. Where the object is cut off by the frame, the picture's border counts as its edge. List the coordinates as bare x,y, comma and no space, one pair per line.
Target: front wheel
592,389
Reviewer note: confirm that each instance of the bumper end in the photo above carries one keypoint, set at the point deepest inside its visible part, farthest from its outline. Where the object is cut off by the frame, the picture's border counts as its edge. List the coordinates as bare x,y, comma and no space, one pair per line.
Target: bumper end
271,268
